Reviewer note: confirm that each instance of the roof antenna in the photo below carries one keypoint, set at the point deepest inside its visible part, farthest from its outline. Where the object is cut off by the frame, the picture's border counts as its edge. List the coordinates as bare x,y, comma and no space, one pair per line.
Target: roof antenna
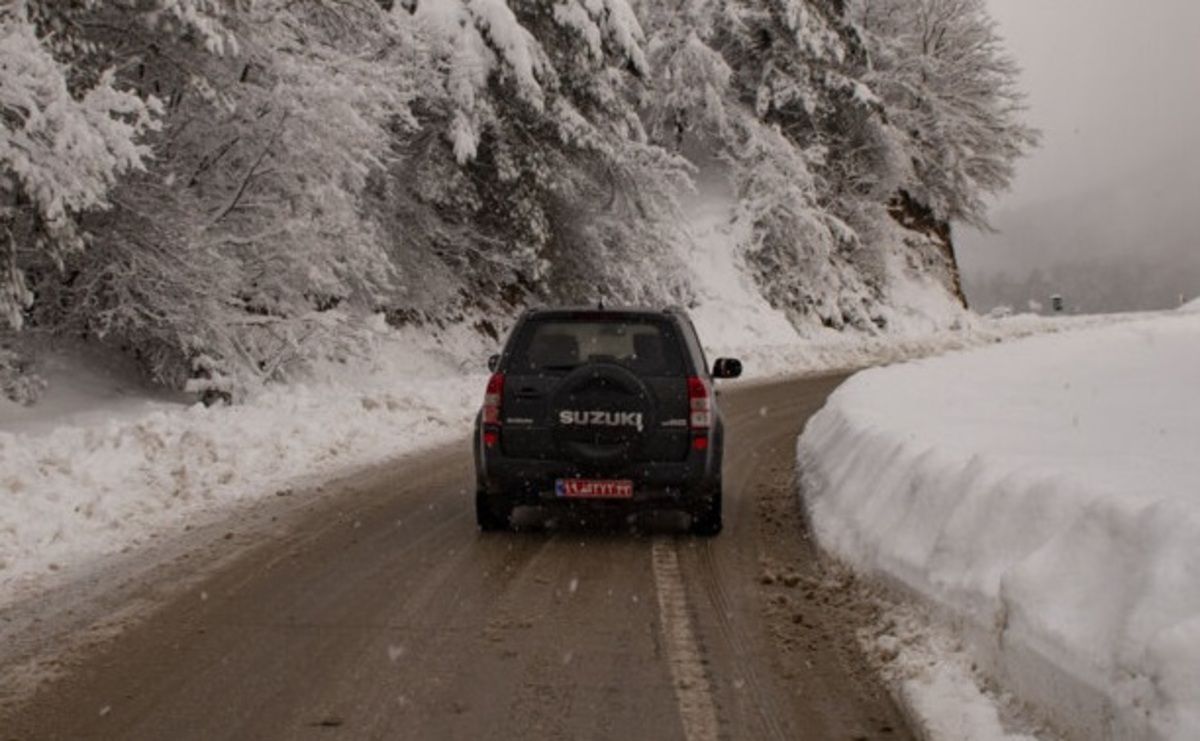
600,304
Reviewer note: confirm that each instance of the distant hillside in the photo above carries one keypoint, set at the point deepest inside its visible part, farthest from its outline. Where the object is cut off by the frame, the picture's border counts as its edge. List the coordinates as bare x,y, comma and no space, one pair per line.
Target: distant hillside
1133,245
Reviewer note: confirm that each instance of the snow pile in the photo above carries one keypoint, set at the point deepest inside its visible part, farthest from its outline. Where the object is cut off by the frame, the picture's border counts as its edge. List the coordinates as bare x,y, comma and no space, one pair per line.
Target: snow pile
934,680
107,473
1042,496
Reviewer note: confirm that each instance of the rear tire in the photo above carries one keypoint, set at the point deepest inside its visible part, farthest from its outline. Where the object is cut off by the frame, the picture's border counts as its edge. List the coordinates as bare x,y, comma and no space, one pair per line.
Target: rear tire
491,516
707,518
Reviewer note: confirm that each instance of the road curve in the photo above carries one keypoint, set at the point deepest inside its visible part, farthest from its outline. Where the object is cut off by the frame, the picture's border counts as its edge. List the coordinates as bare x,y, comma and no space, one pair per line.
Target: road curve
378,611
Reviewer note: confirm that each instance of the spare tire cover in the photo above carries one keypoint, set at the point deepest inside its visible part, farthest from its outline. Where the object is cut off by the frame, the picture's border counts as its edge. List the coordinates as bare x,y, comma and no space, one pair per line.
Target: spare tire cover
600,412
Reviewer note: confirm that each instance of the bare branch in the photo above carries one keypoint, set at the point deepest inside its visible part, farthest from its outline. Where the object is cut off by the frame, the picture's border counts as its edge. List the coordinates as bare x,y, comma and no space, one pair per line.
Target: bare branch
245,181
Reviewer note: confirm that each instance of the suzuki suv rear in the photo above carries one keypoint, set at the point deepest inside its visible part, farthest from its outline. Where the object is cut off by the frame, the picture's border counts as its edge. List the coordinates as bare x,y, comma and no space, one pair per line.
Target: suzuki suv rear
601,407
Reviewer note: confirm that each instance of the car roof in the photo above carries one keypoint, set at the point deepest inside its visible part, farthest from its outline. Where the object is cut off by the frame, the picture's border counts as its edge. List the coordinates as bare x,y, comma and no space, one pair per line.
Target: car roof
596,311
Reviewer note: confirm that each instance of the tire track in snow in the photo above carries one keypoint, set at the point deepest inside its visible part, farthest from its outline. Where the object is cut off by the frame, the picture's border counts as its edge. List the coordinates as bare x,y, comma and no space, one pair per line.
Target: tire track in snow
693,691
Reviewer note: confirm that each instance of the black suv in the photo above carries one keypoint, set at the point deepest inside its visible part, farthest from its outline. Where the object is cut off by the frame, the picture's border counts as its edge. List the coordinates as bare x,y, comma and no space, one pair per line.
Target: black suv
601,407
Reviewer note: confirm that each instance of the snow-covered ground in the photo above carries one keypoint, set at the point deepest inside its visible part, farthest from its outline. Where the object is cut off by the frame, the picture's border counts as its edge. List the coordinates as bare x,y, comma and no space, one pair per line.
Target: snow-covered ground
104,465
1041,499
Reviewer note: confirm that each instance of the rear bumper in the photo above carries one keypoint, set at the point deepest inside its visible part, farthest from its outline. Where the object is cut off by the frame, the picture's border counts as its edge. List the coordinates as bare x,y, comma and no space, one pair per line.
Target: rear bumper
526,482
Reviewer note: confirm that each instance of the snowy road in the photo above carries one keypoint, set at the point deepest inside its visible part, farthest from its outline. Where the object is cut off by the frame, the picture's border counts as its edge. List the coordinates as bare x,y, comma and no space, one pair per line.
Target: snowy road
379,611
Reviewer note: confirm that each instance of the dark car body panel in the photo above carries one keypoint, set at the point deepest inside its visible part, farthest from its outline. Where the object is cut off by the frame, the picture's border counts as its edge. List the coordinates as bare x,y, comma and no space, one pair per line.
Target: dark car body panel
601,395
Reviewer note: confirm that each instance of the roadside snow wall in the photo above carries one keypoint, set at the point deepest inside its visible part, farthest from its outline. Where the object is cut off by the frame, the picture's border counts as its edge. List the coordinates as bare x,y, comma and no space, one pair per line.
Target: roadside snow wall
1042,497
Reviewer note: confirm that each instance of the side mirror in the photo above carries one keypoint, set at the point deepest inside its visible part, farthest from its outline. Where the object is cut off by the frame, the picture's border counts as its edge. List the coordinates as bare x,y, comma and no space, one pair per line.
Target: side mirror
493,361
727,368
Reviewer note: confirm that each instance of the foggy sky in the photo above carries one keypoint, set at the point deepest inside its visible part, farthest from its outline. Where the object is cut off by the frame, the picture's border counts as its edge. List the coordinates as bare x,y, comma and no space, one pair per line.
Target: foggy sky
1114,189
1114,85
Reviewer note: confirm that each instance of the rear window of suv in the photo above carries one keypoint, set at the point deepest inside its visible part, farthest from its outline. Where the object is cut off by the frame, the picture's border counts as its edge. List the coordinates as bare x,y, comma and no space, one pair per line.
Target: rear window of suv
646,346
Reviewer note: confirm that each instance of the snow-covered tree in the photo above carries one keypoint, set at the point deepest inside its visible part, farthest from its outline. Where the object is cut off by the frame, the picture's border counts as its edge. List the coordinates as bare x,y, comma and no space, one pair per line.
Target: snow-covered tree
70,129
826,157
60,153
224,261
690,89
229,190
552,191
796,124
951,93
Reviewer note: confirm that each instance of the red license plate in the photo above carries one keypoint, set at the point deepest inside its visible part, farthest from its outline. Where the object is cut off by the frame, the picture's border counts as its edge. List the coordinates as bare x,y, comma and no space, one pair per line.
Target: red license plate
593,489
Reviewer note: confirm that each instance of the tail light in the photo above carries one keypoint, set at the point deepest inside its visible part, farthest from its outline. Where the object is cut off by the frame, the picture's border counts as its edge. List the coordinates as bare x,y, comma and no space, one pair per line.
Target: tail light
699,404
699,411
492,400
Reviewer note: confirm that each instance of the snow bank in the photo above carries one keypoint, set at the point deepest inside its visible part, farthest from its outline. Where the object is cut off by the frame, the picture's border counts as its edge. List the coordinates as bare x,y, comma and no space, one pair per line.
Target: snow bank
1042,495
103,474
